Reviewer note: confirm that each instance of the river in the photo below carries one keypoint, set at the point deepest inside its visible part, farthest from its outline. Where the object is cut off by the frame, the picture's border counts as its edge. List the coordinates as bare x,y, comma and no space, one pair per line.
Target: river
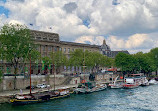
137,99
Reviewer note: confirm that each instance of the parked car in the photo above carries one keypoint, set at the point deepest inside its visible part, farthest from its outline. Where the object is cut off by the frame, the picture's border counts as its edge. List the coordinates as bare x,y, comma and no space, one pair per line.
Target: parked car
42,86
32,87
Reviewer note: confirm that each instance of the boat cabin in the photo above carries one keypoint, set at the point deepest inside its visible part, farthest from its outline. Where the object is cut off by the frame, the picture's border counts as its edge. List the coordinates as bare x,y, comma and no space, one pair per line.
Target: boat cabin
135,79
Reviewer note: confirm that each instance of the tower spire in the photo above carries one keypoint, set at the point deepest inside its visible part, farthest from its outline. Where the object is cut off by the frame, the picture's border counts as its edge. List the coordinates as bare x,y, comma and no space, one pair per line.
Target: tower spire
104,42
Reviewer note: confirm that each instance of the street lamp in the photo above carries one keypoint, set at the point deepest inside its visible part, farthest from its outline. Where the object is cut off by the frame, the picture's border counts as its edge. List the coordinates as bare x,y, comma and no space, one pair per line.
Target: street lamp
30,66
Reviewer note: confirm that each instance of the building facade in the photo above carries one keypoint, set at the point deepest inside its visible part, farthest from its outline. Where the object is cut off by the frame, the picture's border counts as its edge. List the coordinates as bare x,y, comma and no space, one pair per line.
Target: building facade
50,42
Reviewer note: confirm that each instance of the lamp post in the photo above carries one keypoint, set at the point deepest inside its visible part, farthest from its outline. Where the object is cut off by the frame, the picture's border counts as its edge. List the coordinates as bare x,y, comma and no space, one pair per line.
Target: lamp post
30,68
54,74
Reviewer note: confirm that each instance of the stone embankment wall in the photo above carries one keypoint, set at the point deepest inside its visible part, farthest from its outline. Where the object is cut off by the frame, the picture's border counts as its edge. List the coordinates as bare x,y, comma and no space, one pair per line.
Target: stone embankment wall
22,82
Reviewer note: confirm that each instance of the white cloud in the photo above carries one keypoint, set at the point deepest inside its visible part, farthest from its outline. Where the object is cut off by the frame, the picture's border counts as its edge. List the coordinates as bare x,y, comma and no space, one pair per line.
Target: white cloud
67,18
90,39
134,43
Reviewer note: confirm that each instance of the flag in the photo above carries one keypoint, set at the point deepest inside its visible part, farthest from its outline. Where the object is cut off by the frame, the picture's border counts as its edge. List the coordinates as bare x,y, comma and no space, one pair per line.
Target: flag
31,24
8,70
68,68
72,68
76,69
42,65
64,68
50,27
49,67
115,2
26,69
80,69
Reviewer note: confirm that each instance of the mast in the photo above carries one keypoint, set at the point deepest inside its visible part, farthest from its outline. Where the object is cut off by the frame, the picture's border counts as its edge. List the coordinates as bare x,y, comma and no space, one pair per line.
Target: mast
84,61
54,75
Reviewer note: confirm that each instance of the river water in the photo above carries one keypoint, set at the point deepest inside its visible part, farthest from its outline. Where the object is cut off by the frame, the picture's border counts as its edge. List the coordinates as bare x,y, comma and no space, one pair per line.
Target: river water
137,99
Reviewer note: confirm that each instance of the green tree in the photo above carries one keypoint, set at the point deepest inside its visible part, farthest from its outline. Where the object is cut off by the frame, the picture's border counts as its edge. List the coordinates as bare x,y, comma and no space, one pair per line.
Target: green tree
92,60
127,63
58,59
154,56
46,64
145,63
77,58
16,45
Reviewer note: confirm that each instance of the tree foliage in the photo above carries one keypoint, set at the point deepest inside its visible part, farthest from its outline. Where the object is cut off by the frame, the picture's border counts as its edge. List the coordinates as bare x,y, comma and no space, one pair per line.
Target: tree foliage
139,62
46,60
76,58
126,62
89,59
145,63
58,59
153,54
16,44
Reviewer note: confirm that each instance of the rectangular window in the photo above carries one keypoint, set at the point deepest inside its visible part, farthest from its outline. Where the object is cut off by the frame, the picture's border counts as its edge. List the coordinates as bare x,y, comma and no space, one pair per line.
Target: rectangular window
72,50
60,49
39,38
44,38
49,48
68,56
55,49
44,48
68,50
43,55
38,48
64,50
1,68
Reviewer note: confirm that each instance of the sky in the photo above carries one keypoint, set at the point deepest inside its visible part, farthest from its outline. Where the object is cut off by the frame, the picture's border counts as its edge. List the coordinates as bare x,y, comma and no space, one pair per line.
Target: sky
125,25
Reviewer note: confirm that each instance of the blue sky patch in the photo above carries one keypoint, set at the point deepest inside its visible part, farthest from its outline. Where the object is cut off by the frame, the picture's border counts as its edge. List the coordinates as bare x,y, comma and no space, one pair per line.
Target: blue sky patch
4,11
86,22
3,1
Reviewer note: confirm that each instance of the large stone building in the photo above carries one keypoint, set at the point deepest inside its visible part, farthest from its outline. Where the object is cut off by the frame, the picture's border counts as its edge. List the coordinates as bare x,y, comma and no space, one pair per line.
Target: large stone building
50,42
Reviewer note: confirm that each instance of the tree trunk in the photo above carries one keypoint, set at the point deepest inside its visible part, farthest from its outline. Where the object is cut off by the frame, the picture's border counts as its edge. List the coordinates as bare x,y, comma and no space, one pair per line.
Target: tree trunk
15,72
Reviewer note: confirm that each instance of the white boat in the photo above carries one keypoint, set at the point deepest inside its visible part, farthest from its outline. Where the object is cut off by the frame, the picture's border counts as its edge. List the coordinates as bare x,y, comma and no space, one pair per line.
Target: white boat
116,84
89,87
133,80
100,87
145,83
153,82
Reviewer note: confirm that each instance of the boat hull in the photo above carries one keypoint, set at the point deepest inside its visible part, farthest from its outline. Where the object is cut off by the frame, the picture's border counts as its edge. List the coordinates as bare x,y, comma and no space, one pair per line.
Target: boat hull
24,102
127,86
33,101
116,87
87,91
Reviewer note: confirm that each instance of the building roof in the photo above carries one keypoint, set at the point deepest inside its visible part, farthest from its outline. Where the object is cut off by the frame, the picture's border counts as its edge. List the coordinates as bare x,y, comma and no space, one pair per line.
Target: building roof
78,44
